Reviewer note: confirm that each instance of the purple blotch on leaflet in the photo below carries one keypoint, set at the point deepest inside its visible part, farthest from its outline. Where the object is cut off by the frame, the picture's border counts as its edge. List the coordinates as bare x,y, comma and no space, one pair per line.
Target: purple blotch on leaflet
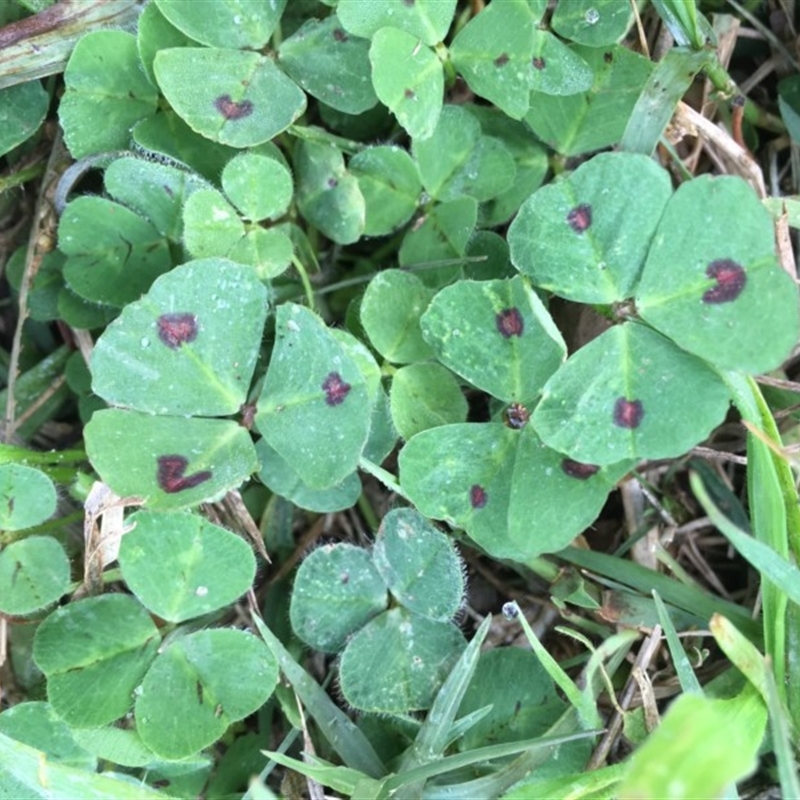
335,389
580,218
171,475
510,323
730,280
628,413
232,110
477,496
576,469
177,329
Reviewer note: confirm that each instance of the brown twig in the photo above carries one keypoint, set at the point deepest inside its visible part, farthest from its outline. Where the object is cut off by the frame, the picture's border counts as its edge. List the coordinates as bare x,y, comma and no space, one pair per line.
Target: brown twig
40,45
646,653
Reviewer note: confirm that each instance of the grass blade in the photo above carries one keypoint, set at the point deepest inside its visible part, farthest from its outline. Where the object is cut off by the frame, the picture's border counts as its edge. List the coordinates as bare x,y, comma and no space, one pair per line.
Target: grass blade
686,676
340,731
772,567
677,594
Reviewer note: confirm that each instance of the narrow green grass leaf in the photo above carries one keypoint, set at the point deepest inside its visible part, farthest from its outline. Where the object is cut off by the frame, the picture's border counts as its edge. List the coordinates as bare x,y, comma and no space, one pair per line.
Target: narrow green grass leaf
340,779
682,21
645,580
741,651
782,741
772,567
583,704
662,92
483,754
686,676
341,732
29,773
435,732
779,527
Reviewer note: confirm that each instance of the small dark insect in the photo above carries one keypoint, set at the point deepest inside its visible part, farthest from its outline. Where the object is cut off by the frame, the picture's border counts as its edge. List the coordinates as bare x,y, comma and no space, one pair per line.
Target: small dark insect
477,496
171,475
731,279
628,413
501,60
575,469
580,217
176,329
232,110
538,63
516,416
510,322
335,389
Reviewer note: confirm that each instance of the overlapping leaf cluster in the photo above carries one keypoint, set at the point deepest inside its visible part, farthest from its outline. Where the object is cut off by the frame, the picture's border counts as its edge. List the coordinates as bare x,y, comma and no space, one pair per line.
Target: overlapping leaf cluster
249,151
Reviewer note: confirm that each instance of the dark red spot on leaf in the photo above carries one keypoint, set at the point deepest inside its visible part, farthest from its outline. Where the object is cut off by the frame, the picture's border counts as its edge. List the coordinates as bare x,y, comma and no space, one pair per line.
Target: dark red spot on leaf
538,63
730,278
580,217
409,94
335,389
517,416
339,35
177,329
477,496
171,475
628,413
510,323
232,110
501,60
575,469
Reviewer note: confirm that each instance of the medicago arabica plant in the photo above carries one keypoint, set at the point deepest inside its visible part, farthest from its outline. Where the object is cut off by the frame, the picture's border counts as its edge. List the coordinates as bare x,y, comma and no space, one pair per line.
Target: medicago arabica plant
409,292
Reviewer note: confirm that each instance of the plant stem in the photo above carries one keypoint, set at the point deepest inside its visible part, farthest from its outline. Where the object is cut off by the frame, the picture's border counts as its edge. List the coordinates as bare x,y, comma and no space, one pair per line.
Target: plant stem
385,477
306,282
